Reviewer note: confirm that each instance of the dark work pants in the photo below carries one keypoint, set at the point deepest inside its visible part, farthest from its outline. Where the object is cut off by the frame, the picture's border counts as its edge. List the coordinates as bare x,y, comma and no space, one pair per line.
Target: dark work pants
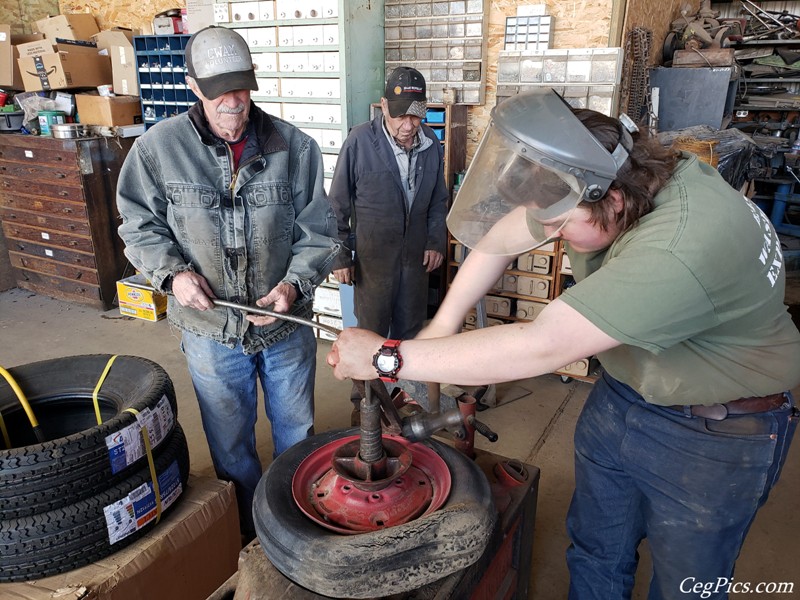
690,485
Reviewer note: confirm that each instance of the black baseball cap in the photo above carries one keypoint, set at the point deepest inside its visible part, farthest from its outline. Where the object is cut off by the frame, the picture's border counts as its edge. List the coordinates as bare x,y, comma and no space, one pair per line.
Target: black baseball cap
218,59
405,93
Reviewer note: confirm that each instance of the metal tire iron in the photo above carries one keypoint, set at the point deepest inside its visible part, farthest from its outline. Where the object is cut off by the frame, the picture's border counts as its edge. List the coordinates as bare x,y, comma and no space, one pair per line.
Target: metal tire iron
414,428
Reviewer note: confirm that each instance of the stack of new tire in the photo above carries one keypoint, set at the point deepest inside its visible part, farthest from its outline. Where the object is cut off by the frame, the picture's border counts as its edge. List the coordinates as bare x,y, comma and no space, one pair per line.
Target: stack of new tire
87,490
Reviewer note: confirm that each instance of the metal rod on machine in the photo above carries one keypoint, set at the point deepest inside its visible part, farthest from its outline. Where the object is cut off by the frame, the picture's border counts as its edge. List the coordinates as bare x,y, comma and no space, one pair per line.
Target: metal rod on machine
371,445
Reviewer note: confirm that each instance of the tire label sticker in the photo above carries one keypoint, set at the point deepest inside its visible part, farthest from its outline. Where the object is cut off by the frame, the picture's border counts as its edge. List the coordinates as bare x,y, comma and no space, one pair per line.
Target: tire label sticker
125,446
138,508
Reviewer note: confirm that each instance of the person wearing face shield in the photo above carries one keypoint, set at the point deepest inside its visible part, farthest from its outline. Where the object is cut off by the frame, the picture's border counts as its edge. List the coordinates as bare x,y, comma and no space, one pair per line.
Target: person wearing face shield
680,294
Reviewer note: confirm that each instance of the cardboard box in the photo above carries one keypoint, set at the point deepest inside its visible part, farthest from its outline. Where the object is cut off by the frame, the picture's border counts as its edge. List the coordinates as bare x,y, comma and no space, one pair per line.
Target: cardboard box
118,44
10,78
188,555
327,300
137,298
35,48
81,26
94,109
68,67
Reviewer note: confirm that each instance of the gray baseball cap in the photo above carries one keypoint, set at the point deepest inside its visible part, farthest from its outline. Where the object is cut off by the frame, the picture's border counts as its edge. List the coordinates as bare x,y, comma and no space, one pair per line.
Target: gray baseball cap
218,59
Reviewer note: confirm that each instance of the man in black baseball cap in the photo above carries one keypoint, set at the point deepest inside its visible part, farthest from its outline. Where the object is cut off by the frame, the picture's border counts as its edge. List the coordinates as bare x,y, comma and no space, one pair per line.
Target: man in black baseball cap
405,93
390,200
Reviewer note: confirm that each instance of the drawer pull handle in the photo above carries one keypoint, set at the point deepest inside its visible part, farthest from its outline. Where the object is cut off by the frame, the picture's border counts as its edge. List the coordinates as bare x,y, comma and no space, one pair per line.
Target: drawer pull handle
61,175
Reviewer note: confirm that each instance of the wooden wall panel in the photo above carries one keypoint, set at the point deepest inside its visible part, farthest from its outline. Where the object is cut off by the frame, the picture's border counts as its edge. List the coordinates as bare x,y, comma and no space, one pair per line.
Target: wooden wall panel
577,24
21,13
655,16
121,13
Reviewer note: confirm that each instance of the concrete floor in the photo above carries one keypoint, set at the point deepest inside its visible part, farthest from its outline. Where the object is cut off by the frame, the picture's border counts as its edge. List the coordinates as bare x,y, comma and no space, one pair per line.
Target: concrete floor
536,428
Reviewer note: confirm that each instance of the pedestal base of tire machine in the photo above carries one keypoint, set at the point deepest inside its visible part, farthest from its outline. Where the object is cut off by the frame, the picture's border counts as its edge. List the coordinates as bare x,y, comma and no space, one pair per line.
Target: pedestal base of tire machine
502,573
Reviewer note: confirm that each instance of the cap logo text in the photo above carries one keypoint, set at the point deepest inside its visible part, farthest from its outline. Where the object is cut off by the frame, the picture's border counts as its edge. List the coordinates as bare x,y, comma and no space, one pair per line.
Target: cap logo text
221,55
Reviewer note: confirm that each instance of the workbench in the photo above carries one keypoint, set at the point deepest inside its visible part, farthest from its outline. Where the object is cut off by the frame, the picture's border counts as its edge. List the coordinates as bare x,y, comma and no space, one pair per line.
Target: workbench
502,572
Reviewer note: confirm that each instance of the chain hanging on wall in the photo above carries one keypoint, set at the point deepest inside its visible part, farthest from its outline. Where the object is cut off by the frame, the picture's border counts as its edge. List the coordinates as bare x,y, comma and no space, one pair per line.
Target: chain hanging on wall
635,75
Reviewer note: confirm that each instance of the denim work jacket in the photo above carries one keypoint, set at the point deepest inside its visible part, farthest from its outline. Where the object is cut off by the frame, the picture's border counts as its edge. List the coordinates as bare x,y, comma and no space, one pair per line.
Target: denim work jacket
184,208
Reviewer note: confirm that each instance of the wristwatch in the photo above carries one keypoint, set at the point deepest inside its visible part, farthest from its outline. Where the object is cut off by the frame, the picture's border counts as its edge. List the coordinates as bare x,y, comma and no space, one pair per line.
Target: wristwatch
388,361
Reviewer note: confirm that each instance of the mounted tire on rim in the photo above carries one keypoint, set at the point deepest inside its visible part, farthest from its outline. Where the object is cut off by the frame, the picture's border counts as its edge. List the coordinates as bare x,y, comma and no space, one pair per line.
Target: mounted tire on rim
375,563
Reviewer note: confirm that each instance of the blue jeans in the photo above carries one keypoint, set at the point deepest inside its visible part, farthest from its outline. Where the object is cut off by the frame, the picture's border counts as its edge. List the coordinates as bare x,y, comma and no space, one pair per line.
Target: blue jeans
225,382
691,486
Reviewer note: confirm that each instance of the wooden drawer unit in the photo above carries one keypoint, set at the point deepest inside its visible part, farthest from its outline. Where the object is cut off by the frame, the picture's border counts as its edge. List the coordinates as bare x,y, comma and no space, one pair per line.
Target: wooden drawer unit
59,215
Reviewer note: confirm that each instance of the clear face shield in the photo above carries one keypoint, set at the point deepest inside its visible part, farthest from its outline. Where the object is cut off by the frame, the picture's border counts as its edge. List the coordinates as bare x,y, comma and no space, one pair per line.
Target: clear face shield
509,203
534,165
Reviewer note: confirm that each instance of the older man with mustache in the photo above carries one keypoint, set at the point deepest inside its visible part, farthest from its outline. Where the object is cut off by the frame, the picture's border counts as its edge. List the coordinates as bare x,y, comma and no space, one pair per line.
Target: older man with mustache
226,201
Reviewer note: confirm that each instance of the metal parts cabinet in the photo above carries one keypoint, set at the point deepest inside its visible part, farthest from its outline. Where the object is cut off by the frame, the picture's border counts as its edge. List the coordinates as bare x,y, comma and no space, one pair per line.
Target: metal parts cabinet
59,217
161,70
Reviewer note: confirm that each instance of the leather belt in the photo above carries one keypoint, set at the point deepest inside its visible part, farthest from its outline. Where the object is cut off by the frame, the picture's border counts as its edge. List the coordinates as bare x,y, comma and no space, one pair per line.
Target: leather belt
742,406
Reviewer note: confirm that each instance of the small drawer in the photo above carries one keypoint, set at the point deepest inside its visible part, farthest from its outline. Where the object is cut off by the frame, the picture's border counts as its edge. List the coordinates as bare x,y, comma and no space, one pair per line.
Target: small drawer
498,305
534,263
271,108
331,139
330,9
293,62
579,367
529,310
244,12
329,163
508,283
286,36
533,286
222,12
566,266
265,62
261,36
309,35
268,86
330,35
266,10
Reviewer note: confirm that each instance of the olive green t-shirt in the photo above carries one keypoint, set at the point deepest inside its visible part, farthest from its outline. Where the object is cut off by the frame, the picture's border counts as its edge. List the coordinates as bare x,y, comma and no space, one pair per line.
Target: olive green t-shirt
695,293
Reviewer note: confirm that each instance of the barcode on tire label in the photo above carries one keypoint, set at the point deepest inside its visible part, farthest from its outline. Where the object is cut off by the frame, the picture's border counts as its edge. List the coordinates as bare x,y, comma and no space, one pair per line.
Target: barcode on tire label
138,508
126,446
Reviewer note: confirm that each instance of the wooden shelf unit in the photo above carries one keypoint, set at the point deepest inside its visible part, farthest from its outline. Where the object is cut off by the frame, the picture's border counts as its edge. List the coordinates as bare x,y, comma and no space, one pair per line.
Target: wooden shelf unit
508,303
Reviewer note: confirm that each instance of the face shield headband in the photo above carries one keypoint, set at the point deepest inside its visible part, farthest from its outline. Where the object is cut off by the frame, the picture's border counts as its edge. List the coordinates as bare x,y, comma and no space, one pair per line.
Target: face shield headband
528,176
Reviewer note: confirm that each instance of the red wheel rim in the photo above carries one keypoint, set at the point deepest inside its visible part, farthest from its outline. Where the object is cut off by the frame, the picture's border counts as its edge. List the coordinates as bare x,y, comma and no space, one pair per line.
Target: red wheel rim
337,504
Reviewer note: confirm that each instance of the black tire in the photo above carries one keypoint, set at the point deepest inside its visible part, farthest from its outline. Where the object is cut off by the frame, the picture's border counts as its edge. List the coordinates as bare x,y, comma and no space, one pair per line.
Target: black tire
74,463
378,563
76,535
